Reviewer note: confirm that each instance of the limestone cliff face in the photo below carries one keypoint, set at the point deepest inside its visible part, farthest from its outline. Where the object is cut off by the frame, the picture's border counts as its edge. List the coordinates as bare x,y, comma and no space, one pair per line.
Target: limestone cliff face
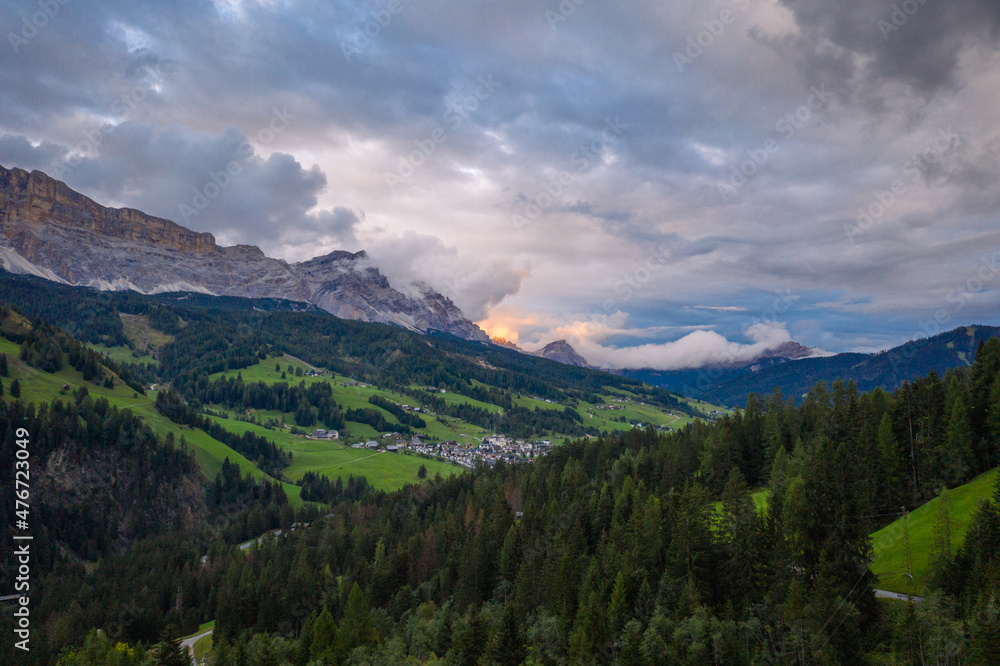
49,230
36,200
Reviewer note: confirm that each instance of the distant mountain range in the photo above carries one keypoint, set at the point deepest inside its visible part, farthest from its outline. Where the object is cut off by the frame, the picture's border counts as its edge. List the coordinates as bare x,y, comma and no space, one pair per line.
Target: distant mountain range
51,231
886,369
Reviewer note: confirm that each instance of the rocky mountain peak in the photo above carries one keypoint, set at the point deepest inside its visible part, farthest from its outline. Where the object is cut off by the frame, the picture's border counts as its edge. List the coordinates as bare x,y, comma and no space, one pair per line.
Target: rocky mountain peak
562,352
51,231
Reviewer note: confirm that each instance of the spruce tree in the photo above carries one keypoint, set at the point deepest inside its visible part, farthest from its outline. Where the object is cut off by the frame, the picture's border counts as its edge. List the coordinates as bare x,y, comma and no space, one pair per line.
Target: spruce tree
15,389
325,644
959,459
169,651
356,629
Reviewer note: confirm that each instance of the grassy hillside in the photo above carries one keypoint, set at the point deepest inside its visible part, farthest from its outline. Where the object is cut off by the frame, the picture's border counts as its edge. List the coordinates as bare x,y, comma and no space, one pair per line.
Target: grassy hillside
350,393
42,387
889,543
383,471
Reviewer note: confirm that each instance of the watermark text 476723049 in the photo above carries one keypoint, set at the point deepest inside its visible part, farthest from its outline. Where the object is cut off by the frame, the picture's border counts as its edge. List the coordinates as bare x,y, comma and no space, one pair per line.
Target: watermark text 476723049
22,540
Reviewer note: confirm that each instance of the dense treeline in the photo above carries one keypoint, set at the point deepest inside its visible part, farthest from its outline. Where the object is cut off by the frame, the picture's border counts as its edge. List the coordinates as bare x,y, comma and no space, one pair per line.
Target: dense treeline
119,521
376,420
106,479
265,455
316,488
622,556
311,404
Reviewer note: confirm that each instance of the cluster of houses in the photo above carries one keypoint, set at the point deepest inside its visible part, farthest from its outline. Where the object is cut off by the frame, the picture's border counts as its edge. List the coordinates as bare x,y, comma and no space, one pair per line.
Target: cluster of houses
324,434
610,407
490,450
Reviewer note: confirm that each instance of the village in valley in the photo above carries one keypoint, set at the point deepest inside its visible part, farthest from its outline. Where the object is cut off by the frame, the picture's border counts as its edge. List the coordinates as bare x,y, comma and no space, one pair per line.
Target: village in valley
490,450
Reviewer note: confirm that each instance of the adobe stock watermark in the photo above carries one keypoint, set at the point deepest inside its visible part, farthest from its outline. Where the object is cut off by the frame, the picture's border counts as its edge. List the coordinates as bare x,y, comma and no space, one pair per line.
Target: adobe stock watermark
365,35
714,28
768,317
913,169
35,23
582,158
786,127
945,317
202,197
120,108
654,258
900,16
455,117
566,9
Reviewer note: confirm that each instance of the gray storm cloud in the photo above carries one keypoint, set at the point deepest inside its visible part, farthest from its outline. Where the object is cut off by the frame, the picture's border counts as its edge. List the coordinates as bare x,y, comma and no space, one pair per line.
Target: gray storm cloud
187,83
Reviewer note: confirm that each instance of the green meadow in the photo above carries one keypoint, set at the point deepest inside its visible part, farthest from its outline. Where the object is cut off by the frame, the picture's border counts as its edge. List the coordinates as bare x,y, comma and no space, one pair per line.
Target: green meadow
889,543
385,471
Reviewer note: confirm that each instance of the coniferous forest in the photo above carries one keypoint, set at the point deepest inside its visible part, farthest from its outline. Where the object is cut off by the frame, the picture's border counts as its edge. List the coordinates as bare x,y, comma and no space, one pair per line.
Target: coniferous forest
637,548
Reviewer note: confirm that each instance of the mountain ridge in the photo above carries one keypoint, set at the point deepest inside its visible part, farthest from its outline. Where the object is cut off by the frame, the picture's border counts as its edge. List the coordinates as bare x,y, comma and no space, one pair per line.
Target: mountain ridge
49,230
886,369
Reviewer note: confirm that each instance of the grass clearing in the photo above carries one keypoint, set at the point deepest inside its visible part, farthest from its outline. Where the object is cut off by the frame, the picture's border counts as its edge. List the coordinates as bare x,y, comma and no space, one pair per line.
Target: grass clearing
123,355
385,471
760,500
889,543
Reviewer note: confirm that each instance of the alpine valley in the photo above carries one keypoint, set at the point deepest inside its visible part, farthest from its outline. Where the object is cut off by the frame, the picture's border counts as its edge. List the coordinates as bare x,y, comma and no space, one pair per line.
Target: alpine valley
298,464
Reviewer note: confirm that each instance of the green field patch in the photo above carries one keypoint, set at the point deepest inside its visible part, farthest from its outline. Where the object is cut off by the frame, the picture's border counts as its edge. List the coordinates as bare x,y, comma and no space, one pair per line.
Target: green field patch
889,543
760,500
533,403
633,412
385,471
265,372
123,354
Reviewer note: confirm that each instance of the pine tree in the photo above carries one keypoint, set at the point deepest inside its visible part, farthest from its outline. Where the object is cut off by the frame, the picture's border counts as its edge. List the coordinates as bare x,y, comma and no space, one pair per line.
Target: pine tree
169,651
959,459
892,465
941,555
739,528
982,377
422,472
325,644
619,607
356,629
15,389
4,370
506,645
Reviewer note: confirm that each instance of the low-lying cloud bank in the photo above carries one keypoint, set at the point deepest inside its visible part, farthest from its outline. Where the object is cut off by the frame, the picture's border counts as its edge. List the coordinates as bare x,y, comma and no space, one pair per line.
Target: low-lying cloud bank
700,348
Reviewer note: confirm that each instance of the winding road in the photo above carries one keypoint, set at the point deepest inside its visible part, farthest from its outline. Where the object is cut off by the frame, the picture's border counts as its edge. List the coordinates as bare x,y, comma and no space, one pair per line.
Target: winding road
189,644
885,594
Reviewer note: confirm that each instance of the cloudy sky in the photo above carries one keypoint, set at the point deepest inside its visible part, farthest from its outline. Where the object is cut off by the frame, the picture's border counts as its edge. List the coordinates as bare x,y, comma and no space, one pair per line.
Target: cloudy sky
662,183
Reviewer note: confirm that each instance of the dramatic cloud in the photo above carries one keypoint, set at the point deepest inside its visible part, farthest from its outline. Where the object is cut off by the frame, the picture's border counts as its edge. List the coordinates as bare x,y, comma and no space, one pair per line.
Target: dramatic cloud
694,350
825,169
